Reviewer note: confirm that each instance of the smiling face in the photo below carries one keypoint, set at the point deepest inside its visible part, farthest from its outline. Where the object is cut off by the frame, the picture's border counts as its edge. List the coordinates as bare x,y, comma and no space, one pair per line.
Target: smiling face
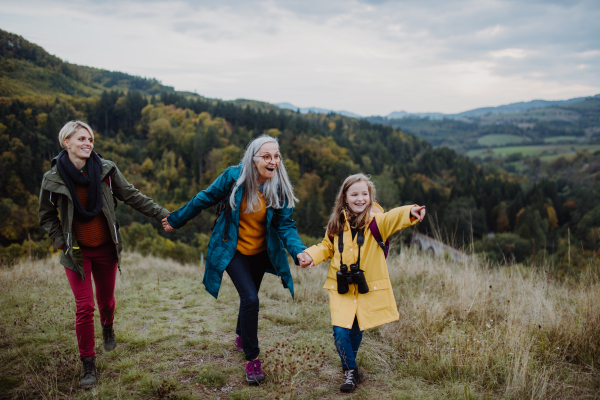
266,170
358,197
79,146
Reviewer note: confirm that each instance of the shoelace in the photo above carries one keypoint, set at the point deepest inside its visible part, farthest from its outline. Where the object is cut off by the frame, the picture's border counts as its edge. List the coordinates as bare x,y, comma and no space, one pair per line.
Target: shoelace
88,368
349,377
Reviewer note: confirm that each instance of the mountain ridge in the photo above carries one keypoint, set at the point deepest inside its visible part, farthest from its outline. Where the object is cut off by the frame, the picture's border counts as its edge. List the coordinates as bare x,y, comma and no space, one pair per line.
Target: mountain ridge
474,113
316,110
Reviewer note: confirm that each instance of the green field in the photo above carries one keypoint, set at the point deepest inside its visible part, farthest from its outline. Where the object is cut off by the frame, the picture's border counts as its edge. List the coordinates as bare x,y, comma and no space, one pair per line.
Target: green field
560,139
500,140
549,151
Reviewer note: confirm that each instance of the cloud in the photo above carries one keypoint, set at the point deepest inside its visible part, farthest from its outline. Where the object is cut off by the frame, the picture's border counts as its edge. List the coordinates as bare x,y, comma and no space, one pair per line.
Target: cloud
368,57
512,53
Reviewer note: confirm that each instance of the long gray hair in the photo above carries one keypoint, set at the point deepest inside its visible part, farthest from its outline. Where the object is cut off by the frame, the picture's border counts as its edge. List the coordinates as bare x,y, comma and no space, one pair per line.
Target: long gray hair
277,191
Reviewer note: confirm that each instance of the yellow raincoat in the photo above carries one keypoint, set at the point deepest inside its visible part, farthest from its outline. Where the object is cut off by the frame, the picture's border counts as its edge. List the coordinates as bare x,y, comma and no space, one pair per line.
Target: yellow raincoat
378,306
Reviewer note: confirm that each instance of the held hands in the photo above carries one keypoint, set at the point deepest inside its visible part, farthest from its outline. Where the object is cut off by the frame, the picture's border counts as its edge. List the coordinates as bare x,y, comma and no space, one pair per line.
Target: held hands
166,225
418,212
305,260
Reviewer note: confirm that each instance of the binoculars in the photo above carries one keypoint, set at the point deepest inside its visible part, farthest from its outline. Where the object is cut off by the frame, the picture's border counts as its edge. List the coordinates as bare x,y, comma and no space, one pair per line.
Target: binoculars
347,277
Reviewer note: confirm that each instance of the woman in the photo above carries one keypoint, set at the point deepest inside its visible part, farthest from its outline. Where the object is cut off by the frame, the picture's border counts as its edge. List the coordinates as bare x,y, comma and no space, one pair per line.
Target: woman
81,187
248,236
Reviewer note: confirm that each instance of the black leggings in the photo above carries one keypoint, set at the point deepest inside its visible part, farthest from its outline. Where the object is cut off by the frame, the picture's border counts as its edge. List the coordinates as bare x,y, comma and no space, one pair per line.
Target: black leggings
247,273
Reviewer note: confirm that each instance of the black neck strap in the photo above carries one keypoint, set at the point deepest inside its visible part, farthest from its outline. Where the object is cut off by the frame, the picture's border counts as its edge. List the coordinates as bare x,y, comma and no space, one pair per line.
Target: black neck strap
360,240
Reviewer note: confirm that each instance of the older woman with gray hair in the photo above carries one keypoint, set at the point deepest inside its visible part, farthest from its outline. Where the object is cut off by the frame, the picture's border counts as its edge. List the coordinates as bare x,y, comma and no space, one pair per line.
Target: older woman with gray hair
257,200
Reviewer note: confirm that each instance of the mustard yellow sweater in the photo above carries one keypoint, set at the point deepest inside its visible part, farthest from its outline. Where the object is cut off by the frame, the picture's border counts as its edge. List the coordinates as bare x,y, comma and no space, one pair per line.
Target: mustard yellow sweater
252,233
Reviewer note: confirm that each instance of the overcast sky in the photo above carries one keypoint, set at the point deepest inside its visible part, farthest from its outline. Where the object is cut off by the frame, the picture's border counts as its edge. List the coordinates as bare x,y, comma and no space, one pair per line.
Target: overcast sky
367,57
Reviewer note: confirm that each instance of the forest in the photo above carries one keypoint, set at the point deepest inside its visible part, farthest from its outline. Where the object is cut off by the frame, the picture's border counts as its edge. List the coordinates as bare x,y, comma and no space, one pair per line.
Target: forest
171,145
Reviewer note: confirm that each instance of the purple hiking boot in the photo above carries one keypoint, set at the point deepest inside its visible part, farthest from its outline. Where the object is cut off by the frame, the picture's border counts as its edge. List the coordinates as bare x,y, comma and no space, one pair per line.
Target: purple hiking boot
254,373
238,343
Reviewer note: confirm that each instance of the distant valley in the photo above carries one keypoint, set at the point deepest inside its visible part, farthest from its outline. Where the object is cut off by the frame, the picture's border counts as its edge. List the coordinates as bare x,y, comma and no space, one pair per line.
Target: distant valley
538,128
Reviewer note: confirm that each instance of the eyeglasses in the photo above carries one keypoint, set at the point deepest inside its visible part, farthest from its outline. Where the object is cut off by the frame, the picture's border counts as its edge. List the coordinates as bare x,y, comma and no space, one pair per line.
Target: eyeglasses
267,157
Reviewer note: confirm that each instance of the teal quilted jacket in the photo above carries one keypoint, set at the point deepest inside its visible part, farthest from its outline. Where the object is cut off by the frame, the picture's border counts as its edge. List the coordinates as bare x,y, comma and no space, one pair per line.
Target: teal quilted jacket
281,232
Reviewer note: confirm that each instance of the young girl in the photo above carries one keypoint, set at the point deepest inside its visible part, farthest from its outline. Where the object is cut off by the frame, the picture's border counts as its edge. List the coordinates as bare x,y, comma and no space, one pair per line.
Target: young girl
357,305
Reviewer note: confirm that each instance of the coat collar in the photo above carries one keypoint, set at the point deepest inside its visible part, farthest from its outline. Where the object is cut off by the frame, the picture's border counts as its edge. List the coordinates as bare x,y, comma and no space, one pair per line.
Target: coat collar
54,175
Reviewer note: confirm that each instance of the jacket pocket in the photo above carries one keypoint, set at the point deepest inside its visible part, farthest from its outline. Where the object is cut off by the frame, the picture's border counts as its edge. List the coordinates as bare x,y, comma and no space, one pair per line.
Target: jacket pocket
378,298
335,299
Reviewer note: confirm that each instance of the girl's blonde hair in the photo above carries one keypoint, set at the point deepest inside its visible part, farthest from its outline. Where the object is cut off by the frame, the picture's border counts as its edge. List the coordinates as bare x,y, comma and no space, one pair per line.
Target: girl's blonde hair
70,128
336,223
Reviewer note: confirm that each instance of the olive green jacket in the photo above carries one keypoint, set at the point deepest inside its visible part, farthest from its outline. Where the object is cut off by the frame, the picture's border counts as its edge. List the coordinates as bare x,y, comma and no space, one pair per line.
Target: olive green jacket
55,200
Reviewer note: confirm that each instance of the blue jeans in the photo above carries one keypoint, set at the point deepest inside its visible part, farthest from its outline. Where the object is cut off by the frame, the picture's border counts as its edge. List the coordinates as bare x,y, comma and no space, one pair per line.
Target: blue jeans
246,273
347,342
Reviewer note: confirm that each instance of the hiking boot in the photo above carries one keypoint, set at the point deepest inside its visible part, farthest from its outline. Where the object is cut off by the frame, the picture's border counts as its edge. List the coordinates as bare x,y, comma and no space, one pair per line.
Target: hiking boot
110,340
254,372
352,379
88,377
238,343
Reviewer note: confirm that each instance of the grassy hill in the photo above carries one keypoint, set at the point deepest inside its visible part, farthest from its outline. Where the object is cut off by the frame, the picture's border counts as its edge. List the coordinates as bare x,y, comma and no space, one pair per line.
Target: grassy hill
26,69
465,332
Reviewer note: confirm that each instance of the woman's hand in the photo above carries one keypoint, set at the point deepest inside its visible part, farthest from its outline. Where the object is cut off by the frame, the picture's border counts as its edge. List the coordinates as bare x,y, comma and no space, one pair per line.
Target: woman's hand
166,225
305,260
418,212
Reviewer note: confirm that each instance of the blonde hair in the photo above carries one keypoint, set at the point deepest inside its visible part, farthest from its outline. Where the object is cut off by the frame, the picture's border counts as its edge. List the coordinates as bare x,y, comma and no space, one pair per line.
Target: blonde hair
70,128
336,223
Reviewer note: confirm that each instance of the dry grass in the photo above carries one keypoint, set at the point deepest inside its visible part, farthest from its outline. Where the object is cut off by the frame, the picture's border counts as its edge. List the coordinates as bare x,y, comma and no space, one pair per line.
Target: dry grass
465,331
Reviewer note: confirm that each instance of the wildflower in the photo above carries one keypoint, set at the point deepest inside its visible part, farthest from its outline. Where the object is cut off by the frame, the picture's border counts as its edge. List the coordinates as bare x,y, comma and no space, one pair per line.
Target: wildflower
181,363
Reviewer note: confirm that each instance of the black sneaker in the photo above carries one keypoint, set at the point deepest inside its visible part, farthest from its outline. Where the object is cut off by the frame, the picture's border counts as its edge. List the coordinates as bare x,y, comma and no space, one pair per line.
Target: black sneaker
110,340
88,377
352,380
359,376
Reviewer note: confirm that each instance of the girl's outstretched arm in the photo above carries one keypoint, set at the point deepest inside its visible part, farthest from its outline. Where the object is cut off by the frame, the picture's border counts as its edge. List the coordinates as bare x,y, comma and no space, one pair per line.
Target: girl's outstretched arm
399,218
320,252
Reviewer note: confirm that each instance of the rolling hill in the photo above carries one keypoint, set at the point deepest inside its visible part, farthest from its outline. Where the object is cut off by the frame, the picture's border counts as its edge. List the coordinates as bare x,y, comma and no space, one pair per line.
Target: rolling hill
27,69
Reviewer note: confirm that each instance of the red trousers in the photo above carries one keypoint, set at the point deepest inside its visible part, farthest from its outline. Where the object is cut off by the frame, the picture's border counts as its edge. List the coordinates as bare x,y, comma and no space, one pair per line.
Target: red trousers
101,264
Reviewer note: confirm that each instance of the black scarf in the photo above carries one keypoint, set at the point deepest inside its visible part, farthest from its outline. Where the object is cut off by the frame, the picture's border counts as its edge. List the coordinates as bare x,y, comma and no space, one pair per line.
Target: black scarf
71,176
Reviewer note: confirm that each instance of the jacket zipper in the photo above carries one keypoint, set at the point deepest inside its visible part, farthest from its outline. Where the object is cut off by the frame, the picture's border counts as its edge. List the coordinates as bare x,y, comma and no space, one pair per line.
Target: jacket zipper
116,237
